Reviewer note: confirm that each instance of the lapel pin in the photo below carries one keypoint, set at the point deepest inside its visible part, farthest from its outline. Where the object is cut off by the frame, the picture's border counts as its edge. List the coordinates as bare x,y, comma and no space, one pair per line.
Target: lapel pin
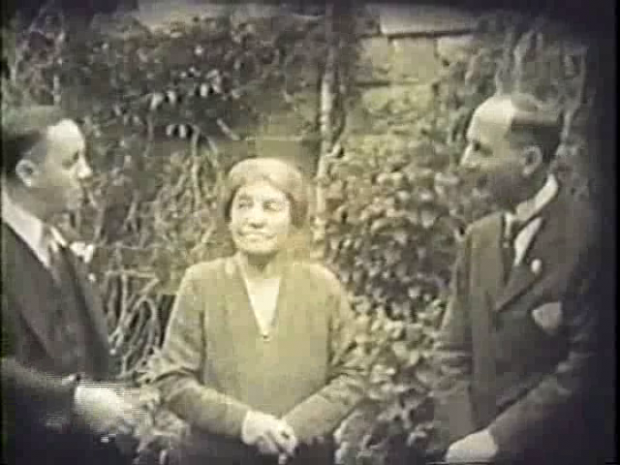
536,266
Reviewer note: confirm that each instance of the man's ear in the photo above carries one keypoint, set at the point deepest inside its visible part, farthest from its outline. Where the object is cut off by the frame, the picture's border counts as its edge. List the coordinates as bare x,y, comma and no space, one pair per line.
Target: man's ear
26,171
532,160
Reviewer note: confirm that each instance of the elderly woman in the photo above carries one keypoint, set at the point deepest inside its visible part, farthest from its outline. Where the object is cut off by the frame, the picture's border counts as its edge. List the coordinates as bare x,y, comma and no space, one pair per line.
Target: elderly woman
258,354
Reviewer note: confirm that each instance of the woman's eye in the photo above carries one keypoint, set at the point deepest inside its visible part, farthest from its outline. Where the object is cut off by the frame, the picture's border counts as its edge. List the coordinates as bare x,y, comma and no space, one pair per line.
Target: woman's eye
243,205
274,206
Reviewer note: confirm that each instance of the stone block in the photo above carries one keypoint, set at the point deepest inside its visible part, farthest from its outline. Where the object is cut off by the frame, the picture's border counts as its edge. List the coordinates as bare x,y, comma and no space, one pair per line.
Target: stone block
411,60
398,19
389,108
455,48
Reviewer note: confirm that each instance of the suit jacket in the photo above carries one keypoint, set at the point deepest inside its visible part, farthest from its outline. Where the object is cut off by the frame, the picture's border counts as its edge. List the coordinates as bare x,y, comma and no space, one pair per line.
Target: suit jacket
37,397
498,367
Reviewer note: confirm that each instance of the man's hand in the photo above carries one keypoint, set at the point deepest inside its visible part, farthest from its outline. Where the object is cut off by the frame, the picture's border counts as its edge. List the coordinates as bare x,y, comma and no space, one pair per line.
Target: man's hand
104,411
269,434
476,447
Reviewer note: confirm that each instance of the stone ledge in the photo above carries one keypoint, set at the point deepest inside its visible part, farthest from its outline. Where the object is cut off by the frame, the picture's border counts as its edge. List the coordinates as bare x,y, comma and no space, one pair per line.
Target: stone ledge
403,20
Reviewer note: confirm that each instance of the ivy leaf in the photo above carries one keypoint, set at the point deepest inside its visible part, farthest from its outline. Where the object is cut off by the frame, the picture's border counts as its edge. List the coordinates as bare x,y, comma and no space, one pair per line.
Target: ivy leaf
400,236
378,225
401,351
414,358
428,218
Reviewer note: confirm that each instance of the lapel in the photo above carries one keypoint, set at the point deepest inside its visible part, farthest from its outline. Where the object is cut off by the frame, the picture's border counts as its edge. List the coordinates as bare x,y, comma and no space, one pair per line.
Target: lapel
92,298
488,248
541,259
34,289
31,286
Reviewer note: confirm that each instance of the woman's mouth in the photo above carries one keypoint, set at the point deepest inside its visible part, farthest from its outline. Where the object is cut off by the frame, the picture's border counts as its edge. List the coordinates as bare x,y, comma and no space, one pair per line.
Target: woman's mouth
255,236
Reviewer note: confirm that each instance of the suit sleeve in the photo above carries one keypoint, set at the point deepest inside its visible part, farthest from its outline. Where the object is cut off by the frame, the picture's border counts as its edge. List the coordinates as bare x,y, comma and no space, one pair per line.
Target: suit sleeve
322,412
28,392
175,371
543,404
453,357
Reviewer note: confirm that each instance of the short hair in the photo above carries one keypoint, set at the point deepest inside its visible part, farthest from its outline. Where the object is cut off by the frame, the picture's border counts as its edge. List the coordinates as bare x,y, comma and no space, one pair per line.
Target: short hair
22,129
535,123
278,173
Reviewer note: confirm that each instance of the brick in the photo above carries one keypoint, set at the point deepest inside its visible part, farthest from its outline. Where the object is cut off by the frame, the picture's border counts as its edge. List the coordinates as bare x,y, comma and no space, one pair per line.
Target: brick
411,60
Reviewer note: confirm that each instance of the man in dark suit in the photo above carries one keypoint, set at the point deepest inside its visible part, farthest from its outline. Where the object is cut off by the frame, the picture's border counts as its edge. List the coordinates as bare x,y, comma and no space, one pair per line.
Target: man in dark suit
515,353
55,352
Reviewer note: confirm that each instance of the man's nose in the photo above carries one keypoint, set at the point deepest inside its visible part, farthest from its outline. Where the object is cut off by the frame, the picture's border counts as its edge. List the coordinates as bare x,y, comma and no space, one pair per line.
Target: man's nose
468,160
85,172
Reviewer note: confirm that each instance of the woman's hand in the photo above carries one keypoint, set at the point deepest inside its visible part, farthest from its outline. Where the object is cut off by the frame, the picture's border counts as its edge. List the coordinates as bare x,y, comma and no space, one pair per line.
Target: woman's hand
269,434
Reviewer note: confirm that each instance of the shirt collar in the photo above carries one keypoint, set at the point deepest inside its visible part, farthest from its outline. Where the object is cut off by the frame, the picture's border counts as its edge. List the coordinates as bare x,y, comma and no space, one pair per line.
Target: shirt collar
28,227
528,209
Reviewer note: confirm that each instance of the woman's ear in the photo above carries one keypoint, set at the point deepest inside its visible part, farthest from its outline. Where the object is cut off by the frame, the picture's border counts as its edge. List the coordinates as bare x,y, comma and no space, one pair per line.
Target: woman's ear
532,160
26,171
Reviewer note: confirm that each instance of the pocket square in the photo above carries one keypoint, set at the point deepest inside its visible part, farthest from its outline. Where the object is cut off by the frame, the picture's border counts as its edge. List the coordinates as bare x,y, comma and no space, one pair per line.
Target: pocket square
548,317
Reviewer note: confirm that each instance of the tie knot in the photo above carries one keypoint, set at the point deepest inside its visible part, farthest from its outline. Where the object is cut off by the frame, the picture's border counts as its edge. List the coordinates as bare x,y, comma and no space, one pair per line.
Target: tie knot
49,239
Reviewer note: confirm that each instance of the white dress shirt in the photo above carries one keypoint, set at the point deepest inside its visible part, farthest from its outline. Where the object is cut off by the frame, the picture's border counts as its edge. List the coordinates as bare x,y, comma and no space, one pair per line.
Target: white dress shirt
39,237
526,213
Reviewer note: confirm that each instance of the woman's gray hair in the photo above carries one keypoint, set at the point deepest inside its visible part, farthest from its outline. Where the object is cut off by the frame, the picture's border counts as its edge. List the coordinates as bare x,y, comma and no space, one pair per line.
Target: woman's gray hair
279,174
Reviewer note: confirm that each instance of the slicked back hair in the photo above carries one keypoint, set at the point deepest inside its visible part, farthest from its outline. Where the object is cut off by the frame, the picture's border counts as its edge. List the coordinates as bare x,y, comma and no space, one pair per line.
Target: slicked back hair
22,129
534,123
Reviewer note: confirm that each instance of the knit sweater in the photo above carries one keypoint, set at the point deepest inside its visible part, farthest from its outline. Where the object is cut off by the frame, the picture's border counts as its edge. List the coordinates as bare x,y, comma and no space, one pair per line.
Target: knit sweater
215,365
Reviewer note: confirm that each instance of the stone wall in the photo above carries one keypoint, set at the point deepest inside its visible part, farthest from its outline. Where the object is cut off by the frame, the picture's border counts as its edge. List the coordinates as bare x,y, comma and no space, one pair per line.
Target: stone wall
402,51
401,54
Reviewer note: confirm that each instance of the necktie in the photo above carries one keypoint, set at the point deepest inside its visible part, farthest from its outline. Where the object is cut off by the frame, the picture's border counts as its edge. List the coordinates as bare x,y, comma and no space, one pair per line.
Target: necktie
512,227
53,253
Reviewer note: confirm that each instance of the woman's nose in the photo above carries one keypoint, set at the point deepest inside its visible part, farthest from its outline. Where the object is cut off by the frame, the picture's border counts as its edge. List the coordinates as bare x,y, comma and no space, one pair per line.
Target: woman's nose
256,215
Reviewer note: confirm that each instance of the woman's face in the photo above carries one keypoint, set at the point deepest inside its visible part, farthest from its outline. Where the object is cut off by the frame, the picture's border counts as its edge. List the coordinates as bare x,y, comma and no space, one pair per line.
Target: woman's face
260,219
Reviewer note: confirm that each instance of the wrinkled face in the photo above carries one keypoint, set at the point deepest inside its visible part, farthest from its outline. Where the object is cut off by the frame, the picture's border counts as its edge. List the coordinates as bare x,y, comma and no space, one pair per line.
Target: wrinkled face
56,174
498,167
260,219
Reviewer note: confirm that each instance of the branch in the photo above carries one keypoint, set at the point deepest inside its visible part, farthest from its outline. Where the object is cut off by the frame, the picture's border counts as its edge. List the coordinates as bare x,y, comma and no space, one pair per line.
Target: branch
23,47
326,130
521,51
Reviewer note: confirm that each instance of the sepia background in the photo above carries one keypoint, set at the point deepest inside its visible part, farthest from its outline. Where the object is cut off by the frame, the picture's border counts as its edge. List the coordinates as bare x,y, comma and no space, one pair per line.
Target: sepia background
370,101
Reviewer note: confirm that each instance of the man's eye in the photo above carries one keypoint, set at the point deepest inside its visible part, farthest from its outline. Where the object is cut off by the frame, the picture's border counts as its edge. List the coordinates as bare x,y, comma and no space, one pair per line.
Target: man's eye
475,146
72,161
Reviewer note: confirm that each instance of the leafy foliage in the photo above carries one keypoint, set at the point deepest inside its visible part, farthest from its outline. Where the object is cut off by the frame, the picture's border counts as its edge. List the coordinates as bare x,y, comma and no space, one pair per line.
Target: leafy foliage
167,112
